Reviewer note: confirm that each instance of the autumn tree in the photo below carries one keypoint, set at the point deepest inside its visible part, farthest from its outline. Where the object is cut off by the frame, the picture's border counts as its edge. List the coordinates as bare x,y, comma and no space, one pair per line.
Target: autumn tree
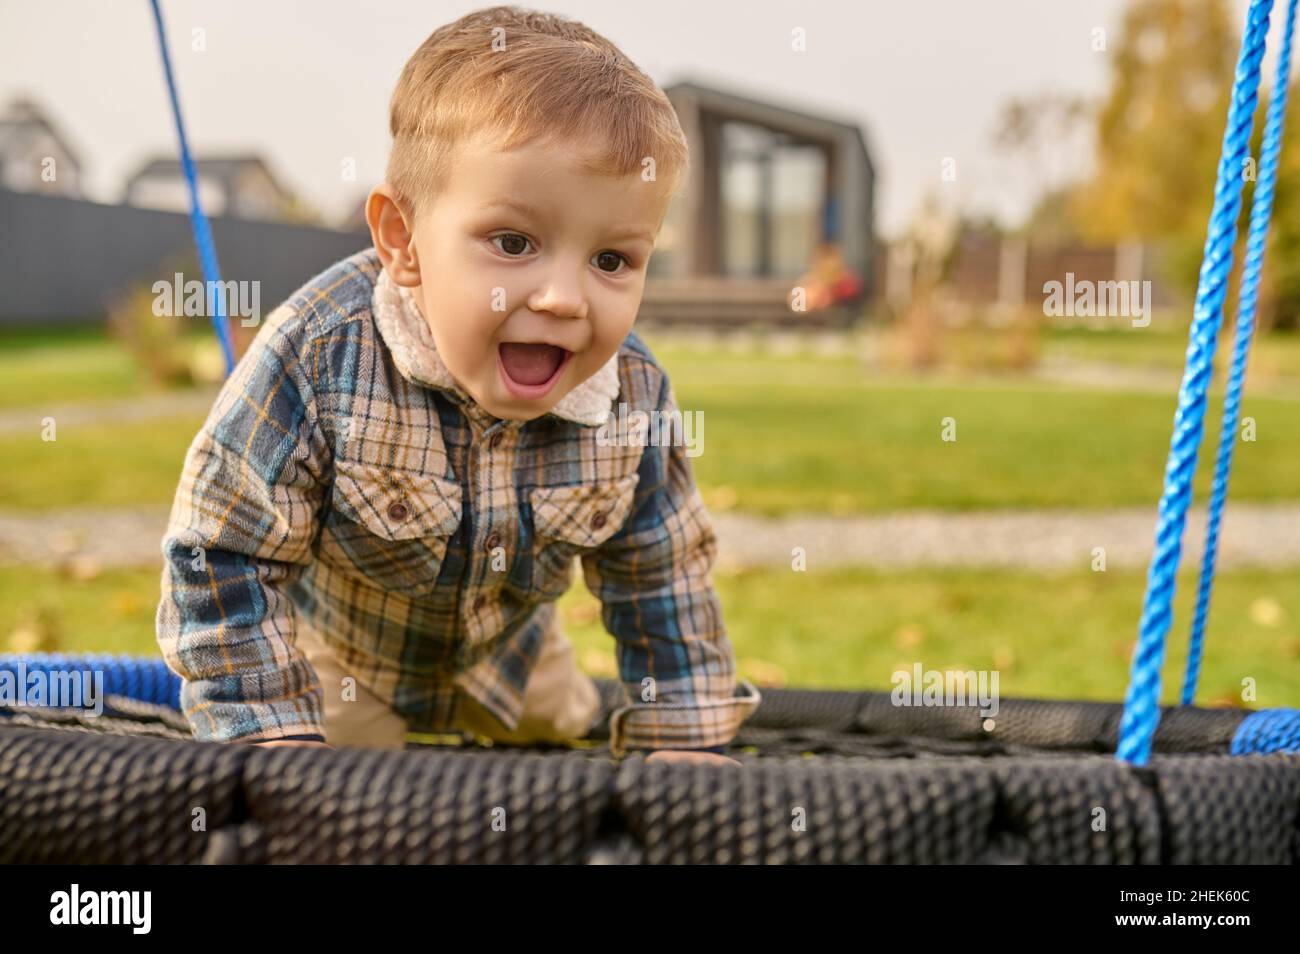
1159,130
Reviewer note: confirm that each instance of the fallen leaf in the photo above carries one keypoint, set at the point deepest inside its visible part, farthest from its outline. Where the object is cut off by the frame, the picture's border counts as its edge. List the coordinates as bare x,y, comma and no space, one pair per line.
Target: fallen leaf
723,497
762,672
909,636
1266,612
125,603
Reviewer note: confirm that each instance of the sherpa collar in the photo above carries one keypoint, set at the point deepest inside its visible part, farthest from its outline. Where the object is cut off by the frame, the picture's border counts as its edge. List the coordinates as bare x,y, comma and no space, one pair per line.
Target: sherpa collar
408,338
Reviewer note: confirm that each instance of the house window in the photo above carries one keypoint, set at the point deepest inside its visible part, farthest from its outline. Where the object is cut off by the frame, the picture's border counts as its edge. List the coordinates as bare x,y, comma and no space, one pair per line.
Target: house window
773,195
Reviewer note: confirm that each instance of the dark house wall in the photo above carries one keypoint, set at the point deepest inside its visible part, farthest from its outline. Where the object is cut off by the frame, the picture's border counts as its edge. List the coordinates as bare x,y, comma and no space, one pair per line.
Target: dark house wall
63,260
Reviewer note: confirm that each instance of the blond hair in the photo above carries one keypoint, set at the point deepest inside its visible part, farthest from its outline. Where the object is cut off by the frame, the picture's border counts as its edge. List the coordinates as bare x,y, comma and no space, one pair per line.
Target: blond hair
525,75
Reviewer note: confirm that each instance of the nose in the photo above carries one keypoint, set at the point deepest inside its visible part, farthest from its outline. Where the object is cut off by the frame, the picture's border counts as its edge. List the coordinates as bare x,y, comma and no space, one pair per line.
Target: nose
560,293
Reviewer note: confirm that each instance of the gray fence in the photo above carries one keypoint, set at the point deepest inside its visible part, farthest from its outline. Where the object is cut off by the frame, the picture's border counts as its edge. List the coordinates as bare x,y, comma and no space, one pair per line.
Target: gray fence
62,261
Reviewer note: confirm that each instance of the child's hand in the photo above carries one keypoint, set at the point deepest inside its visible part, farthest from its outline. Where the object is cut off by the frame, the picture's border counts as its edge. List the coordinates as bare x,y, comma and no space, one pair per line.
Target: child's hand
304,742
697,758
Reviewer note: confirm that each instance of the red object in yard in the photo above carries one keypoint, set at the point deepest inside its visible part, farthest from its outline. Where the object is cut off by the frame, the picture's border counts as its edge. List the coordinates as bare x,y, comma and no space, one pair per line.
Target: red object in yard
847,287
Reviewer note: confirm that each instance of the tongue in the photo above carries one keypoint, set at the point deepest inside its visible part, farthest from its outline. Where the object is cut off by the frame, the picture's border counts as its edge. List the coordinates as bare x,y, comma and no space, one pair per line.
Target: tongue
531,363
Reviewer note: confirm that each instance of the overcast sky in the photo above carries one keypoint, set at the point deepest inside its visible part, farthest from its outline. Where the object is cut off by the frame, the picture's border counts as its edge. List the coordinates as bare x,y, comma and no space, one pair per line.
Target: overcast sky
306,84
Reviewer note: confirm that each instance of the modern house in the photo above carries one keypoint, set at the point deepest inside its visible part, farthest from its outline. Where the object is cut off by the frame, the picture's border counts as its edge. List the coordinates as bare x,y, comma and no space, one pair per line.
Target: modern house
768,186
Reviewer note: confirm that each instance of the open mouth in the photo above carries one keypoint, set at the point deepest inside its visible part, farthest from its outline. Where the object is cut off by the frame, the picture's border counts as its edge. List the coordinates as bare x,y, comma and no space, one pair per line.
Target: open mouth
531,370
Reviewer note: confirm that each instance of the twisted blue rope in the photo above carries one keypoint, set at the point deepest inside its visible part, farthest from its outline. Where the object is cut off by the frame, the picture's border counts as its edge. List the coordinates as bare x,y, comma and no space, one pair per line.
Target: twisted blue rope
1141,701
1260,212
199,225
148,680
1268,730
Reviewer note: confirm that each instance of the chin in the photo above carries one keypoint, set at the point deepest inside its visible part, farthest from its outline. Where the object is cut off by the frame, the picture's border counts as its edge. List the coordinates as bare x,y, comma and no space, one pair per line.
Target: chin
508,415
514,412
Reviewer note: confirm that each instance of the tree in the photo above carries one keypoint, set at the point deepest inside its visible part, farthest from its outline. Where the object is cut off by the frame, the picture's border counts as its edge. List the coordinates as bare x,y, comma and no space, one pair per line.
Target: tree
1046,134
1281,307
1160,129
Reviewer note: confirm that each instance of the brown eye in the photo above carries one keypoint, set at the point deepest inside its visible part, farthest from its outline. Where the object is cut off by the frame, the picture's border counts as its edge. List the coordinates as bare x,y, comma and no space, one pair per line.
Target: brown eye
608,261
512,243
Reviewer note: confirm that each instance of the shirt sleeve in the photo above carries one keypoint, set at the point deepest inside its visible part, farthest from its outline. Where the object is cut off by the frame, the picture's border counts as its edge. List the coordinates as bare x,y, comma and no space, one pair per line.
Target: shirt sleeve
242,527
658,600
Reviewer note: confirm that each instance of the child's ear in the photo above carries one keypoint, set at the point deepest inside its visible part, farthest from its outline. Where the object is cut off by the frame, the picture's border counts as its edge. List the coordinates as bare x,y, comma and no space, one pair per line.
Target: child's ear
393,235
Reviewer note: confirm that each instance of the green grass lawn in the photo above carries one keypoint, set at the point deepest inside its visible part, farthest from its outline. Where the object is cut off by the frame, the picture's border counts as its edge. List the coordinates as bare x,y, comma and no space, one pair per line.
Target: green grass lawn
781,434
61,367
1057,636
99,465
822,434
51,367
1272,356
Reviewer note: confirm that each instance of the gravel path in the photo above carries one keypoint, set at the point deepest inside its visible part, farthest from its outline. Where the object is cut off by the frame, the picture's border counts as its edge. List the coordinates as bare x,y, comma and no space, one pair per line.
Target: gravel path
1266,535
1251,535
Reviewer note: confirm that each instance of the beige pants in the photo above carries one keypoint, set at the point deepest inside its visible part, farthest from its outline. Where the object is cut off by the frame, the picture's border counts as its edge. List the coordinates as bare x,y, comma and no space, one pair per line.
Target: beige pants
560,701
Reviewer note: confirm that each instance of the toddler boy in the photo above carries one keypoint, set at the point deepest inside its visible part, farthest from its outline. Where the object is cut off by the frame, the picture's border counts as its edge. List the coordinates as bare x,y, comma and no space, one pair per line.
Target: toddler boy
388,495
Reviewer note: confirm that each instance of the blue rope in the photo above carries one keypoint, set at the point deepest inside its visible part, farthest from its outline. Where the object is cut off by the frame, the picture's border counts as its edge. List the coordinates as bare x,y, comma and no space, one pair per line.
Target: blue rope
1141,702
207,249
148,680
1268,730
1260,212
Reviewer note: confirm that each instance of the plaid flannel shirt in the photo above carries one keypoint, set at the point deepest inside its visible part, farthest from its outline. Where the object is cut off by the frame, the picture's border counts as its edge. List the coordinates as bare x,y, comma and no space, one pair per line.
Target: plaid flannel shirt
344,481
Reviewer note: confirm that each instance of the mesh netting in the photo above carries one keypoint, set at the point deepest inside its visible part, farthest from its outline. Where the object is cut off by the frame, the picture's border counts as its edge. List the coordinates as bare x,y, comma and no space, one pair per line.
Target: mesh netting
826,777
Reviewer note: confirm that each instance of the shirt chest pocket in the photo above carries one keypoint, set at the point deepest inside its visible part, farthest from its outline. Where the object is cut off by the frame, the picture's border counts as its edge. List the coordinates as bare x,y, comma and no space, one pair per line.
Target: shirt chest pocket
393,526
570,521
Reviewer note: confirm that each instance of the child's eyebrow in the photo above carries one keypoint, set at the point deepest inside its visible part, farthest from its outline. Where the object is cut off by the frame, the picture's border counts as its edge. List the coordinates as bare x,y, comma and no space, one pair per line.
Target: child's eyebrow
523,208
630,234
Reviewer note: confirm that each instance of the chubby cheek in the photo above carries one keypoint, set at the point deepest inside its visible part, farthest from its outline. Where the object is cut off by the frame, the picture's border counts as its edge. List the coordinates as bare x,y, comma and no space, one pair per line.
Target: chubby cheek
463,325
472,327
615,318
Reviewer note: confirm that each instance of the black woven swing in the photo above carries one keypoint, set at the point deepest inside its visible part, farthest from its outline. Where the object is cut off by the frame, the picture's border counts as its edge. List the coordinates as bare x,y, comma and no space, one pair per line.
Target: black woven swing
826,777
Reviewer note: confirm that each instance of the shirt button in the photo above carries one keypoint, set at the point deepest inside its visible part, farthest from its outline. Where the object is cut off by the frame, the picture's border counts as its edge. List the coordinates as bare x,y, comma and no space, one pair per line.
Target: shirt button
492,541
598,520
398,511
496,439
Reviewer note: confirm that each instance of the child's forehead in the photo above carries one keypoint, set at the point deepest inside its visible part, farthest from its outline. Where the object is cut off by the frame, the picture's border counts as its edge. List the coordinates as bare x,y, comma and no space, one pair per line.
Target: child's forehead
543,155
528,179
